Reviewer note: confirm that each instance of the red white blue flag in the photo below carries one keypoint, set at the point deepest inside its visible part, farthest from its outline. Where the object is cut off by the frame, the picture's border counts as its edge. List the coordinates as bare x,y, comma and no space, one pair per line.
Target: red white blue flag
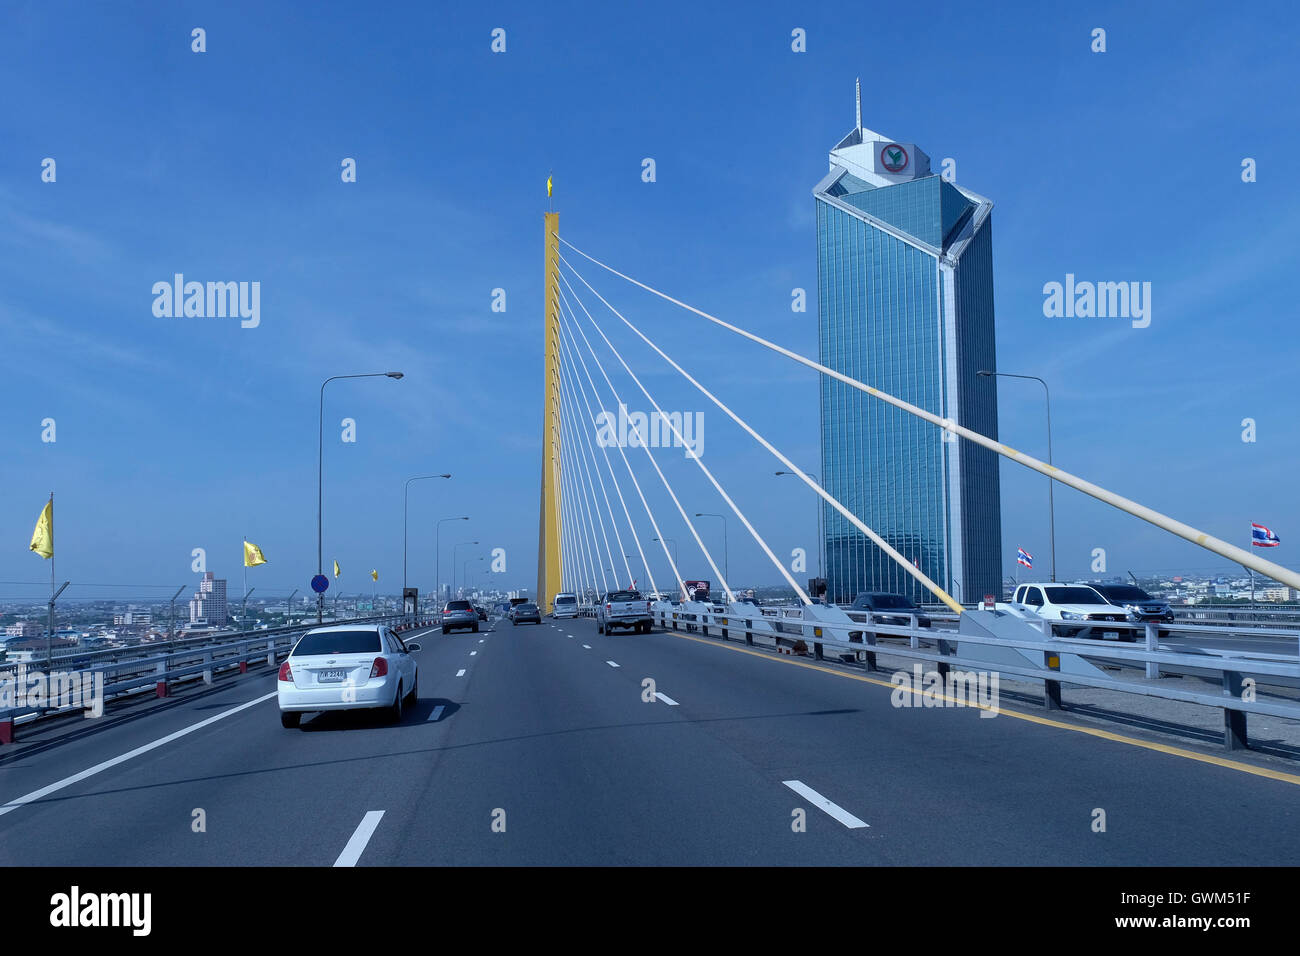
1024,557
1261,537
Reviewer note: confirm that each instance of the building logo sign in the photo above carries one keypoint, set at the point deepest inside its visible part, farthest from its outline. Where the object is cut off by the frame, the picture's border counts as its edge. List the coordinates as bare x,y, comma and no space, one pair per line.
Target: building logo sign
893,158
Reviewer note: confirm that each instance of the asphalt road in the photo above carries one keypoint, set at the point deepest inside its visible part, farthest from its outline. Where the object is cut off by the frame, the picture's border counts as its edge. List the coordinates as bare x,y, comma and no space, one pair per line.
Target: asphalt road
528,746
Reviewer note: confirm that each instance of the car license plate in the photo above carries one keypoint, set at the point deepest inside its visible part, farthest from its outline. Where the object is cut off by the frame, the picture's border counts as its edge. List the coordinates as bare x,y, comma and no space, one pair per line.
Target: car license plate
328,676
1111,635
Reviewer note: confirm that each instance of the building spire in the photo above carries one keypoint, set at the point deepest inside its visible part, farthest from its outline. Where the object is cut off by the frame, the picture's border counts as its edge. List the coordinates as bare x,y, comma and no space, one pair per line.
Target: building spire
859,85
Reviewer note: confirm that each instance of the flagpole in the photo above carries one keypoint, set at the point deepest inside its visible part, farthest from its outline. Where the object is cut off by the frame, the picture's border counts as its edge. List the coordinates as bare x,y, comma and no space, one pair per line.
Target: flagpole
241,623
49,637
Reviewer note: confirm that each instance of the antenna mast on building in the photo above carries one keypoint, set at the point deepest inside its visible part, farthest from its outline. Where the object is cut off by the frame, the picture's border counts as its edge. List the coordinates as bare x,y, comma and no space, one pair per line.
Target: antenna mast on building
859,84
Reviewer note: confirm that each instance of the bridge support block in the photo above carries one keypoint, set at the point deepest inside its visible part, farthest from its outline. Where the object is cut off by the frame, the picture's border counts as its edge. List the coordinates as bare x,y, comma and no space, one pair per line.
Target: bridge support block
749,633
243,667
817,652
6,730
160,689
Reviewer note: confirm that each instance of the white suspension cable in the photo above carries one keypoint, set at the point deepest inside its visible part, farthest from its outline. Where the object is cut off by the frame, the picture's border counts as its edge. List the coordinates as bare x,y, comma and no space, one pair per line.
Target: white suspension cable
576,455
690,454
1150,515
825,495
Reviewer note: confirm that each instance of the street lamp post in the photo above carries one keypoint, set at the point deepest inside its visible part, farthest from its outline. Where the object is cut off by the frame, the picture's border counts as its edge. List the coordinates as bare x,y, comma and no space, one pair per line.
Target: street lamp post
726,554
1051,482
464,571
821,541
405,496
320,476
673,542
453,562
437,561
288,607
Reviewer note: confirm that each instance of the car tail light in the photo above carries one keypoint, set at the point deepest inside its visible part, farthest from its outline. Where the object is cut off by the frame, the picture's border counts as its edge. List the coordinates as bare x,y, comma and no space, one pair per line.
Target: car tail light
379,668
609,607
285,672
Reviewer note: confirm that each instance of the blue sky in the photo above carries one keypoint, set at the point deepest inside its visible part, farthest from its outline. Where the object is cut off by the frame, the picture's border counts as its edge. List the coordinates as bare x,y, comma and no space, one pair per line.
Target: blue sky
179,433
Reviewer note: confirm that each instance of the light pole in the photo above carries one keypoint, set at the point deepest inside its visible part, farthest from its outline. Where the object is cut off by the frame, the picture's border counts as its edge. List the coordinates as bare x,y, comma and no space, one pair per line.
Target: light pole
320,475
171,624
405,496
437,561
464,571
1051,483
726,557
288,607
673,542
453,562
821,541
243,615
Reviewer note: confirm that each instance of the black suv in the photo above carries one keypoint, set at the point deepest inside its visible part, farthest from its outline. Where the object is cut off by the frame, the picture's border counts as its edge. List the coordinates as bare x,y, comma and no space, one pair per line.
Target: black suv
1141,607
887,609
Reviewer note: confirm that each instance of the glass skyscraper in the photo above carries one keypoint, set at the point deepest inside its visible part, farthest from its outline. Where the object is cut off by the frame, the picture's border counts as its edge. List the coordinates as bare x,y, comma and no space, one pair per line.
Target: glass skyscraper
905,303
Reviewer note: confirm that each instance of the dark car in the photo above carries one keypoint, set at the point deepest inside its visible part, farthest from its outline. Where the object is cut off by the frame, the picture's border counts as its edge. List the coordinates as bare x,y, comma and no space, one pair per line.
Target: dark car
526,612
482,612
1141,607
887,608
458,614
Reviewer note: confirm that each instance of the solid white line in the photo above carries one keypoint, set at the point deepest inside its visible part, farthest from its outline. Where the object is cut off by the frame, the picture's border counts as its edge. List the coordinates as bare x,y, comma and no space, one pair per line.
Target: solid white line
611,663
113,762
357,845
587,646
461,672
821,803
666,699
437,712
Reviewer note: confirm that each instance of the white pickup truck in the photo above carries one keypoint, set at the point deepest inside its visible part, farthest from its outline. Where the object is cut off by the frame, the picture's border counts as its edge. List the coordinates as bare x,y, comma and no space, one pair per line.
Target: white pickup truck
629,609
1070,602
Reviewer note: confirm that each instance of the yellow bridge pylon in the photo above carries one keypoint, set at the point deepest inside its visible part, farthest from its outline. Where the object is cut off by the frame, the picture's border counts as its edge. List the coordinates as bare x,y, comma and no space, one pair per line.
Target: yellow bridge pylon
549,566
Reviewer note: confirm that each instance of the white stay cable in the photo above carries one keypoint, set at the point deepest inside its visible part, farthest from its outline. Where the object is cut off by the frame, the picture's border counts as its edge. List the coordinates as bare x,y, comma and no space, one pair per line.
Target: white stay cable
663,418
825,495
581,388
626,464
590,456
1163,521
576,424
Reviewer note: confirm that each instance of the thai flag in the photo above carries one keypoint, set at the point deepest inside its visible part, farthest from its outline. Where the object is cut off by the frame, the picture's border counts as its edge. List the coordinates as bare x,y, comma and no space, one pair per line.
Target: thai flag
1261,537
1024,557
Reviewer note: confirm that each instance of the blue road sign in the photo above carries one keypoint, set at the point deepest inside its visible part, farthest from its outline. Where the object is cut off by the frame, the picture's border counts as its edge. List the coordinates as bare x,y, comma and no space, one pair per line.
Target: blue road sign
320,584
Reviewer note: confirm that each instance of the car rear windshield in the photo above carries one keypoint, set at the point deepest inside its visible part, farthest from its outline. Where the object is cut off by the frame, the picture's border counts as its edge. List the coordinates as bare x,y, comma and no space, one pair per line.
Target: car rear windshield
458,606
883,601
1074,596
565,599
338,642
1125,592
525,608
623,596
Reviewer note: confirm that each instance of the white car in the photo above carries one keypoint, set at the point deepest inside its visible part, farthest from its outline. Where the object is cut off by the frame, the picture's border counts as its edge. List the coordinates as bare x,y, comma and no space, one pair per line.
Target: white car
565,605
347,667
1070,602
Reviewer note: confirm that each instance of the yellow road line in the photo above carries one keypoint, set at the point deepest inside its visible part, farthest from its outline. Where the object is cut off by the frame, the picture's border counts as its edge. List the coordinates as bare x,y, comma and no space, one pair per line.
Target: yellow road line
1032,718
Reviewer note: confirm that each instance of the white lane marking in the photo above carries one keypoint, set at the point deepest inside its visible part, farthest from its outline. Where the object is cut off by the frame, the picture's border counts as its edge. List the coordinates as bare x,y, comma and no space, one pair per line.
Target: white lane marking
666,699
461,672
821,803
437,712
480,640
113,762
587,646
357,845
611,663
472,653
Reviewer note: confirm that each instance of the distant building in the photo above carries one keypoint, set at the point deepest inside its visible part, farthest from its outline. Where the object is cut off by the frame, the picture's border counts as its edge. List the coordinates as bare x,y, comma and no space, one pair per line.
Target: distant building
24,629
905,304
208,606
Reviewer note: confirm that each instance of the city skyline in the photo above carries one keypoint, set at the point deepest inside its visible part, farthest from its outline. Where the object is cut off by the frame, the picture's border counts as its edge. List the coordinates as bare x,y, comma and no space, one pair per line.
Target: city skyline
353,277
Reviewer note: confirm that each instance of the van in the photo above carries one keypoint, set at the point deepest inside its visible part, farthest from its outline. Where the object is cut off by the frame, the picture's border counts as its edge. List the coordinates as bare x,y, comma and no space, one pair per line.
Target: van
565,605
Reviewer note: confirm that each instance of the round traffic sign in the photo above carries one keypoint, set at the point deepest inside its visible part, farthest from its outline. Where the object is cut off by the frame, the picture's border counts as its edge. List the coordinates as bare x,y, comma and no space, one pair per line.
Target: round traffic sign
320,583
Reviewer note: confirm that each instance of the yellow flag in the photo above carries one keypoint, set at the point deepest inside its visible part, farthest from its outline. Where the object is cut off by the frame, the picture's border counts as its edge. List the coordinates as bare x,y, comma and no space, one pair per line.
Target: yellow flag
374,575
253,555
43,536
548,184
336,569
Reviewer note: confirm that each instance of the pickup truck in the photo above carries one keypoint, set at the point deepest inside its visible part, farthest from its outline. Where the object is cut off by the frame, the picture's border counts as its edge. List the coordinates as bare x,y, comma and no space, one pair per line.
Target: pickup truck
1070,602
630,609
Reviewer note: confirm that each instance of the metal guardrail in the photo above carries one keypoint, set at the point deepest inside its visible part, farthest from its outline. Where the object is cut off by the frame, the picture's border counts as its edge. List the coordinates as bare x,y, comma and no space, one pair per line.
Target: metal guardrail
123,671
981,643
